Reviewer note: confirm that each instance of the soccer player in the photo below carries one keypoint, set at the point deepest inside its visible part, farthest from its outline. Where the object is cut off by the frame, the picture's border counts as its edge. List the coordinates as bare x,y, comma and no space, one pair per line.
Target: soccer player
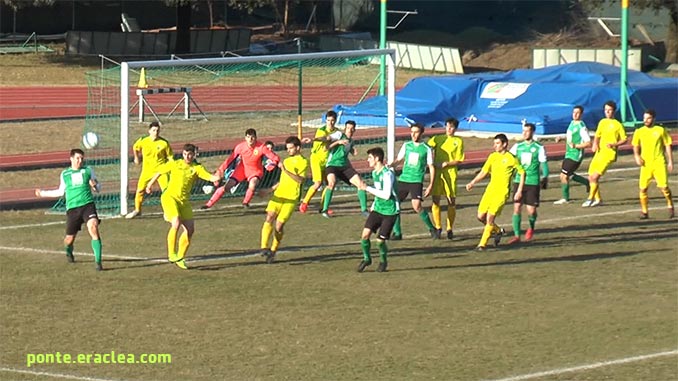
156,151
652,151
500,165
285,197
319,155
532,157
77,183
384,212
415,156
247,159
577,141
175,200
339,167
448,153
610,135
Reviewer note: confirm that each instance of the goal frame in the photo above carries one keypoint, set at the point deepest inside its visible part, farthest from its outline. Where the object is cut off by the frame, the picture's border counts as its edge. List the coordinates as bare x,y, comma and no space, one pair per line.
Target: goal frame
125,67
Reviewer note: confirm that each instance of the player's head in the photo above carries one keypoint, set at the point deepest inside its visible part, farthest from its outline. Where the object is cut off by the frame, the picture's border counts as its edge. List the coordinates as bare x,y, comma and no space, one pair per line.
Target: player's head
154,129
189,152
648,117
577,112
349,128
251,136
292,145
375,155
416,132
451,125
609,109
77,158
500,143
528,131
269,144
331,118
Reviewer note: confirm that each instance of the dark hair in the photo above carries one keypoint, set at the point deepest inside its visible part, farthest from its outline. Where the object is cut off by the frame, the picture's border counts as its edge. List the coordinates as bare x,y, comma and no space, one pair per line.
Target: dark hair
188,147
351,122
611,104
419,126
453,121
501,137
154,123
651,112
331,113
531,126
377,152
580,107
293,140
269,143
75,151
251,132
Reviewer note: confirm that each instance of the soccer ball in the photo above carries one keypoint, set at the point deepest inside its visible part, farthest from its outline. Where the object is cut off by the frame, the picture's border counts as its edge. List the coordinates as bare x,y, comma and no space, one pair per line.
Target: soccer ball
90,140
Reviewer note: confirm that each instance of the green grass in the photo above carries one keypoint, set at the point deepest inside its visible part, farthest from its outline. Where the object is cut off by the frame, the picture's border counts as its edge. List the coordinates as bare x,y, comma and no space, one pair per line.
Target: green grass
595,285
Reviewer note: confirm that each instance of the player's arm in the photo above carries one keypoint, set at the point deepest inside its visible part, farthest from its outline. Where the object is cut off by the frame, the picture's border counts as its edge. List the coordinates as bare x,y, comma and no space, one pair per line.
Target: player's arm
227,163
94,183
519,191
668,151
636,150
205,175
431,172
136,150
165,168
297,178
585,139
481,175
399,159
622,139
53,192
544,168
271,155
385,192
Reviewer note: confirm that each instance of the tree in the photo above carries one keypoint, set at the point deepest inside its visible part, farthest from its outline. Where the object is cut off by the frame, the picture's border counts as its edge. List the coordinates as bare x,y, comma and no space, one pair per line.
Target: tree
276,5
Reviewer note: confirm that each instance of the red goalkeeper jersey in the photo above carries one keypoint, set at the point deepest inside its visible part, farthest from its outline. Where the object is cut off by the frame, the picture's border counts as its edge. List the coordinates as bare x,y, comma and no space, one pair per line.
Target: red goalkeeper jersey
250,158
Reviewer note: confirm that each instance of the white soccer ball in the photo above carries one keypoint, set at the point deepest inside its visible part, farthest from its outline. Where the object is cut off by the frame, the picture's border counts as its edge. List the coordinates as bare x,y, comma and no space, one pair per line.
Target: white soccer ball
208,189
90,140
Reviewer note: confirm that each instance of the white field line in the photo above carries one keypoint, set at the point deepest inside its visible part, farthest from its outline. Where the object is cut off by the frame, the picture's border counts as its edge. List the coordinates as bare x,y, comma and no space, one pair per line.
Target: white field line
32,225
55,375
601,364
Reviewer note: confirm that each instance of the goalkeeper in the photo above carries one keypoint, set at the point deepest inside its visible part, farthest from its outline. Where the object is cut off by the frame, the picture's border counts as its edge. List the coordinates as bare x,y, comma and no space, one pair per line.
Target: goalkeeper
532,157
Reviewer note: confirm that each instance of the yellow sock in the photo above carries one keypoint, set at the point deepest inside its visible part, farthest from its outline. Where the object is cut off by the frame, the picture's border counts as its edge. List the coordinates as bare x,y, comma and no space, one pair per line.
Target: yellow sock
451,215
487,232
594,191
643,201
277,238
435,213
322,198
266,230
309,194
138,198
667,195
184,243
171,242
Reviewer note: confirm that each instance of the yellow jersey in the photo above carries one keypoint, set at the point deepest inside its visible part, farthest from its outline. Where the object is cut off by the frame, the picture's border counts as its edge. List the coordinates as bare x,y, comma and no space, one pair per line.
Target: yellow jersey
181,178
501,167
154,152
609,131
320,149
447,148
288,188
652,142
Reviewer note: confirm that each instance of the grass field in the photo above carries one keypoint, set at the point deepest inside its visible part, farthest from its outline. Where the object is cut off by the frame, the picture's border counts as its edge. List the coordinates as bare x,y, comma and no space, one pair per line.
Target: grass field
596,288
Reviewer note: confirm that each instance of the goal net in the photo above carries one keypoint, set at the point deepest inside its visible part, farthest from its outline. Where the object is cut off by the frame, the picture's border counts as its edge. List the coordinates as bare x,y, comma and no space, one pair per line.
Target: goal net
210,102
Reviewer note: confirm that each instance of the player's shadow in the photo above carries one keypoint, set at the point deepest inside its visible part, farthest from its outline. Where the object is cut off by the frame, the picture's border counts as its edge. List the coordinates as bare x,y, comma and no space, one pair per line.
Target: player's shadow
131,263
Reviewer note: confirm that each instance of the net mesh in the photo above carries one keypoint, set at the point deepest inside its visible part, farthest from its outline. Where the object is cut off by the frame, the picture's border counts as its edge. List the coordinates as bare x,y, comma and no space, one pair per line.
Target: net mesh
225,100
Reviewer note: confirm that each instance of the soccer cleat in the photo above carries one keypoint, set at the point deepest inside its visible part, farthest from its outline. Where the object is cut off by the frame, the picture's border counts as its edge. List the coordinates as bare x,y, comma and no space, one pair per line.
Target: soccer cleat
325,214
450,234
205,207
529,234
132,214
480,248
270,257
644,216
562,201
181,264
363,264
435,233
587,204
596,203
382,267
497,236
172,257
265,252
303,207
514,240
671,213
70,258
245,205
365,213
99,267
396,237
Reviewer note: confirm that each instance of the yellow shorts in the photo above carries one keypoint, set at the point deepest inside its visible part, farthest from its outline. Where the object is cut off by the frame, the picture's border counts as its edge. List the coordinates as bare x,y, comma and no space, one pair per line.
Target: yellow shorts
172,208
599,164
318,164
144,178
491,204
282,207
657,171
445,184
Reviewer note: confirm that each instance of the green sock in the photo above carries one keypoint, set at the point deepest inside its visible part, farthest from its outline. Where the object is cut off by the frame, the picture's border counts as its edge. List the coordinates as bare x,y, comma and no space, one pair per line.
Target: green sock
566,191
396,226
328,199
362,198
383,250
532,218
427,220
581,180
516,224
366,245
69,250
96,247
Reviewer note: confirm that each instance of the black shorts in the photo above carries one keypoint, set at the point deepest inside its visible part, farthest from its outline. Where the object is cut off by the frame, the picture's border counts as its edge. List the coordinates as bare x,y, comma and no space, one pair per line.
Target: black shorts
415,190
530,194
77,216
384,224
569,166
342,173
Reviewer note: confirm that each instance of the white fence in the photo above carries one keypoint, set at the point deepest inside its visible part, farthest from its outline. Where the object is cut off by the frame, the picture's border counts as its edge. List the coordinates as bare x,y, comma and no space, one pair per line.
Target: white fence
423,57
550,57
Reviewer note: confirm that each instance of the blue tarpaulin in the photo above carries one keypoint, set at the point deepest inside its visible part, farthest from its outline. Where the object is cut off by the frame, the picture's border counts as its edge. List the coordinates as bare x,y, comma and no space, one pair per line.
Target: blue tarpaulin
498,102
